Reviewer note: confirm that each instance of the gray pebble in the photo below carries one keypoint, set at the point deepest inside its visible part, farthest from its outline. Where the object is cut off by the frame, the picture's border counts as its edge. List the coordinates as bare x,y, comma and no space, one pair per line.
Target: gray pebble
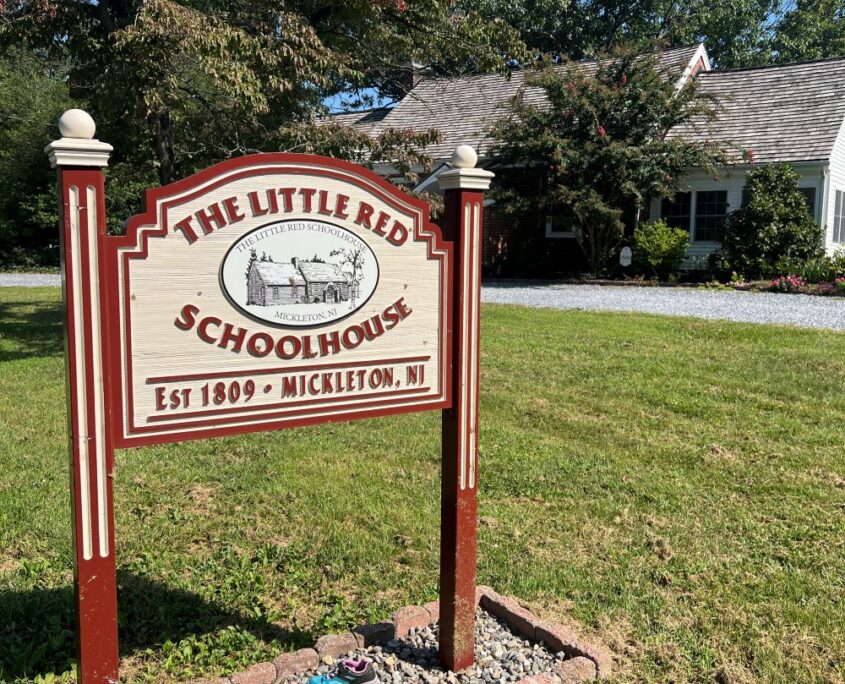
500,657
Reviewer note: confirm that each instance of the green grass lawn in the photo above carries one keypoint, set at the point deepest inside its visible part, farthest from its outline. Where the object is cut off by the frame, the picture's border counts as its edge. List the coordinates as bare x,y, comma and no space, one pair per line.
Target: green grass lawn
676,486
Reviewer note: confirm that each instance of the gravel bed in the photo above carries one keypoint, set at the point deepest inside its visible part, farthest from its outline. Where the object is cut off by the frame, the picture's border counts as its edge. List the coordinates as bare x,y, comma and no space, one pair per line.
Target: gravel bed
30,280
747,307
500,656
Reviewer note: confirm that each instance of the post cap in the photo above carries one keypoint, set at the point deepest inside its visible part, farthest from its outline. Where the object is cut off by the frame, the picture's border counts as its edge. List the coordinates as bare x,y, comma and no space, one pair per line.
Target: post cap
463,175
77,123
464,157
77,146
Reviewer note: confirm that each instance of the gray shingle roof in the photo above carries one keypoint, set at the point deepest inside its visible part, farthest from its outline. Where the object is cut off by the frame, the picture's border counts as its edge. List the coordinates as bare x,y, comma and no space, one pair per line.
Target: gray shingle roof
462,108
319,272
783,113
364,121
273,273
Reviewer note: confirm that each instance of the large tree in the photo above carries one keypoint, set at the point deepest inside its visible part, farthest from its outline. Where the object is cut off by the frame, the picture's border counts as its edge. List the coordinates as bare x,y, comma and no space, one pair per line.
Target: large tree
33,93
737,32
177,84
811,29
599,146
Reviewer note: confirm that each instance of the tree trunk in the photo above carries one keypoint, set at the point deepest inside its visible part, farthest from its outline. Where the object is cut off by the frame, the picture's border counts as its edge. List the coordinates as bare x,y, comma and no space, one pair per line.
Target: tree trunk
159,123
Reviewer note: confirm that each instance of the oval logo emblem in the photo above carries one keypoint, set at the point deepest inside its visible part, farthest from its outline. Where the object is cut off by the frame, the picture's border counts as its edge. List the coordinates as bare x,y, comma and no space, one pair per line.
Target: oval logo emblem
299,273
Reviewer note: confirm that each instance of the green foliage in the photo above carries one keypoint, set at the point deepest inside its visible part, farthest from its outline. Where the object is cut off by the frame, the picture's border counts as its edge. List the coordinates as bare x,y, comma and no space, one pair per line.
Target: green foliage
718,266
599,146
737,33
659,249
179,85
33,93
775,226
813,29
819,269
125,186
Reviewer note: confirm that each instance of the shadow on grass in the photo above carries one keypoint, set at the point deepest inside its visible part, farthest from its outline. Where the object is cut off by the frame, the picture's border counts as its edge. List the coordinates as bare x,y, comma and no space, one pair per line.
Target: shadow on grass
30,328
38,627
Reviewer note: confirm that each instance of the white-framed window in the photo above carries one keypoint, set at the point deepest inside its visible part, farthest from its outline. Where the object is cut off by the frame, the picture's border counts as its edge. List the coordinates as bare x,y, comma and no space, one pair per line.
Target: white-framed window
557,227
810,195
677,212
701,213
711,210
839,218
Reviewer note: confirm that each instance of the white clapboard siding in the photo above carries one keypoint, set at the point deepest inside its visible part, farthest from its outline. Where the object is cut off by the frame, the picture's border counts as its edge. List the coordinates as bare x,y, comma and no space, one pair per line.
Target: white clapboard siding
836,182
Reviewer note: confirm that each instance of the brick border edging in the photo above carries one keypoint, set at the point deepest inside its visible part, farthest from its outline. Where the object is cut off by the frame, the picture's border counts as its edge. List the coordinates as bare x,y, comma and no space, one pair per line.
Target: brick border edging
585,661
555,636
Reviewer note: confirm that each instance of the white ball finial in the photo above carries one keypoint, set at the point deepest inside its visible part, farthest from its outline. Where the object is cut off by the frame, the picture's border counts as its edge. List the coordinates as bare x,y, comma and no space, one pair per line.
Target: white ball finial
464,157
76,123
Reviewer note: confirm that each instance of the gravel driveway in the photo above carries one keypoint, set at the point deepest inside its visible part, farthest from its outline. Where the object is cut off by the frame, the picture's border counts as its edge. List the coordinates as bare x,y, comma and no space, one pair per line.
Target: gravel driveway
29,279
747,307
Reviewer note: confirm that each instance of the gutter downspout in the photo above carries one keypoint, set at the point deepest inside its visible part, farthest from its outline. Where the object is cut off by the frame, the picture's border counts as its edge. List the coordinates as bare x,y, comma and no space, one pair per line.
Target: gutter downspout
825,202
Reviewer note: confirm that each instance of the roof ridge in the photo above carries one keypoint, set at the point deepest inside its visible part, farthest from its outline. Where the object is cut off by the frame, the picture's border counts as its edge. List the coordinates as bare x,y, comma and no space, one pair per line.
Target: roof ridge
360,114
763,67
526,68
359,111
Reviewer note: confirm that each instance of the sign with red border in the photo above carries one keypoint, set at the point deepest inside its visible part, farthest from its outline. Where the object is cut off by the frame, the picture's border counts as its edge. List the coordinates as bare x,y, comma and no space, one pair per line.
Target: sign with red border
265,292
272,291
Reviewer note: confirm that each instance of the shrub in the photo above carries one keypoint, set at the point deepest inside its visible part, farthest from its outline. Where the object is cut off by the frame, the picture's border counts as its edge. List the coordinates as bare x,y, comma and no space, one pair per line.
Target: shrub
787,283
818,270
774,226
659,248
718,266
838,263
840,286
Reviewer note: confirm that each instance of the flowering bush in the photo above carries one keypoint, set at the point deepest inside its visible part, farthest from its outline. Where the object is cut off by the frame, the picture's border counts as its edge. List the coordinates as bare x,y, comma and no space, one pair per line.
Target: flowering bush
787,283
795,283
822,269
599,146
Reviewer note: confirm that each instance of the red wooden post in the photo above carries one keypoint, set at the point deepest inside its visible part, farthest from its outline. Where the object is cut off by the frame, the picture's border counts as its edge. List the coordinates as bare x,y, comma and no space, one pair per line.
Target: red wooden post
463,188
79,159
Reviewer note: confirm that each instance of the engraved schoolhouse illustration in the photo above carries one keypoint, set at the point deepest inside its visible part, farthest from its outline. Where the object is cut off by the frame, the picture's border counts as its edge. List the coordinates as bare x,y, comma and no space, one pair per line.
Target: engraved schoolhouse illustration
298,281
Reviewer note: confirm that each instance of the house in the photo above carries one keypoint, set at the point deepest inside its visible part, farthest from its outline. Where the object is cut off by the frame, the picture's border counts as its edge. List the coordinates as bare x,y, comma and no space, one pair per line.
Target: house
298,282
789,113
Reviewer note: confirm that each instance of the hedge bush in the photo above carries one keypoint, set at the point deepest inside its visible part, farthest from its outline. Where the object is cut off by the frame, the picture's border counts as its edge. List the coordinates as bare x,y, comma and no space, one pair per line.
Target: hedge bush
774,226
659,249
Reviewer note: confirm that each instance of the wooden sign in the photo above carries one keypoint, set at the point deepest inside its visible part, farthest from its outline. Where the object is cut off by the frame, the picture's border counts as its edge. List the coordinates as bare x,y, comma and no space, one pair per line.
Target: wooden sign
265,292
277,290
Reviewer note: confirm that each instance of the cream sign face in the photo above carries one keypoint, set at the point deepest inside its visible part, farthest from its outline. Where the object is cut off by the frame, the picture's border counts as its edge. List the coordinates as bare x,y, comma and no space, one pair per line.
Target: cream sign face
275,291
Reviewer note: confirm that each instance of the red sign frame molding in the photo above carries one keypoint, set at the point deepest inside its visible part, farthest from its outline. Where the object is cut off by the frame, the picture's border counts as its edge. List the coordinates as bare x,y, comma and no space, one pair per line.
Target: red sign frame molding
121,253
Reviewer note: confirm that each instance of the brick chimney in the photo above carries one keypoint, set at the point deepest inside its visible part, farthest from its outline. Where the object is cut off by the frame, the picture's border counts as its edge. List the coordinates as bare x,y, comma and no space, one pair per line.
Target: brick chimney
413,74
